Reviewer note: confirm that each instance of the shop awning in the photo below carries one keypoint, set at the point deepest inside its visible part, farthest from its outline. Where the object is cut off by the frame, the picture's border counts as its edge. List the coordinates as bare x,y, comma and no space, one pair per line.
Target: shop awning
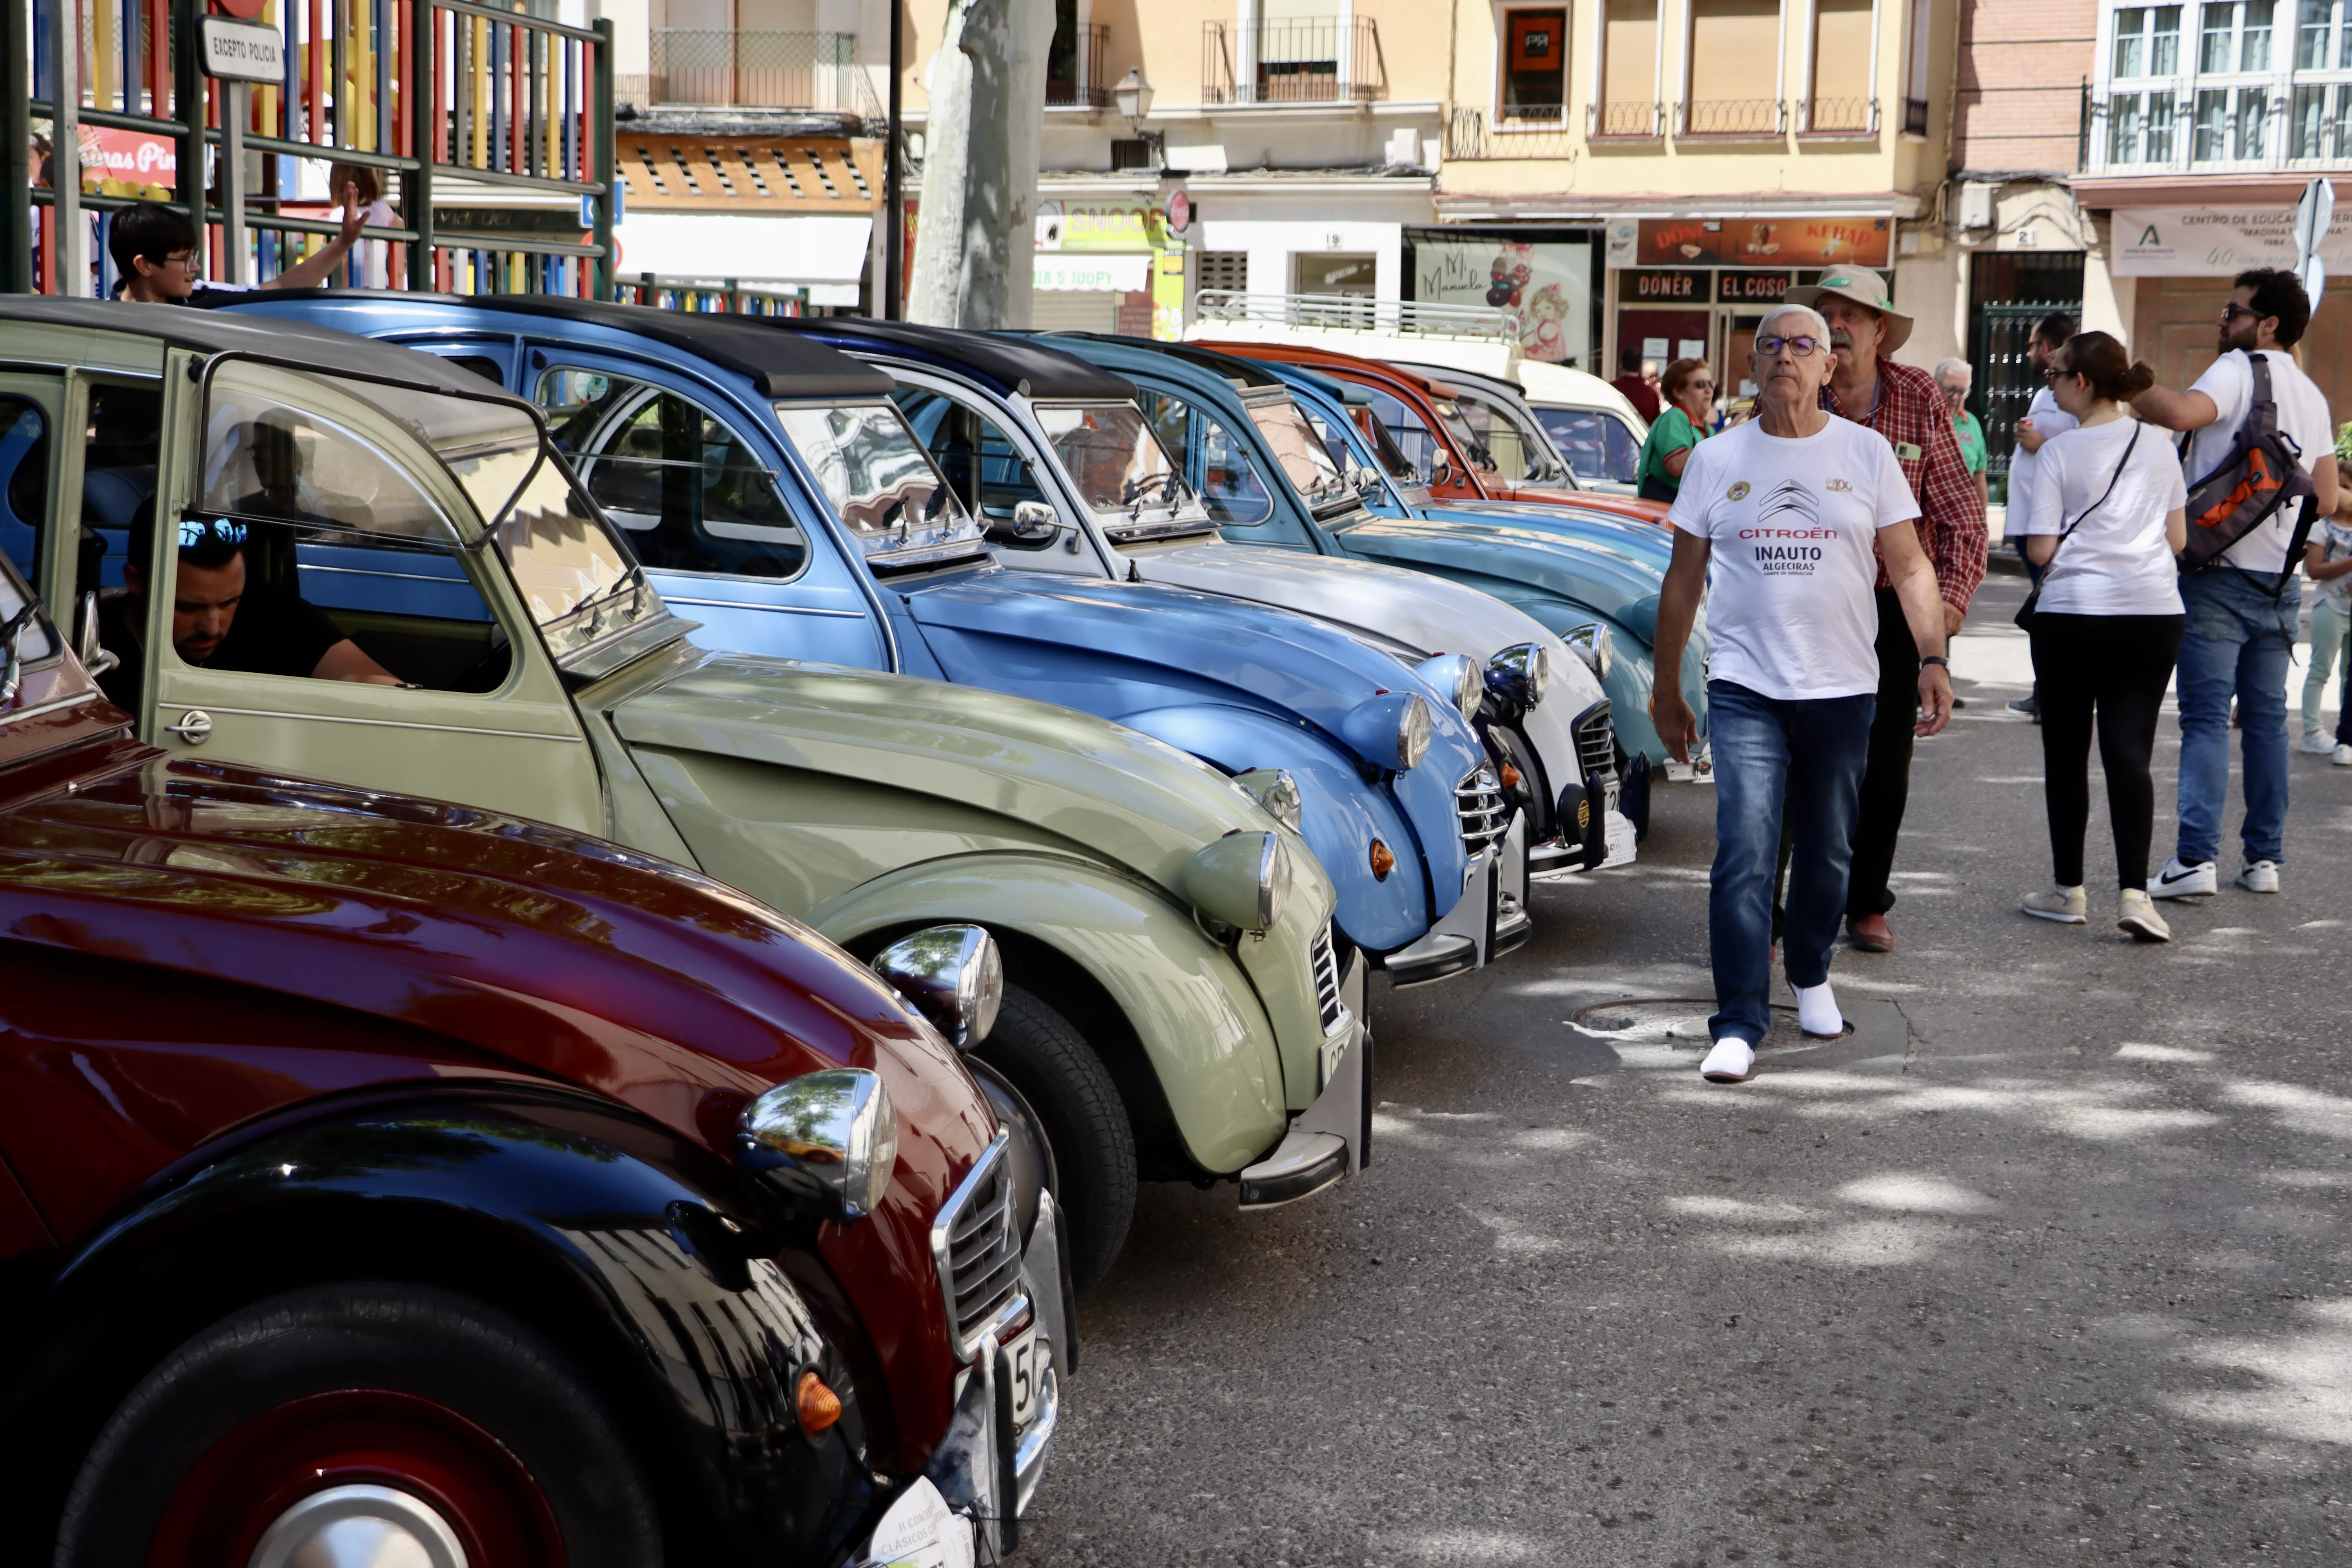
819,253
1078,272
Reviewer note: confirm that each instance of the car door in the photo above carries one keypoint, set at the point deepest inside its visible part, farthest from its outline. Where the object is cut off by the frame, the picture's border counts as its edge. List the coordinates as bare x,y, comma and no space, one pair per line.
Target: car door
994,466
718,524
330,508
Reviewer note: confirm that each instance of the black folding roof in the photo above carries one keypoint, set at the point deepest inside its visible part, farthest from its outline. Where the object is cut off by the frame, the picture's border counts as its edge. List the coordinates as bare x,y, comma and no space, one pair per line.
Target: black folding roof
1013,365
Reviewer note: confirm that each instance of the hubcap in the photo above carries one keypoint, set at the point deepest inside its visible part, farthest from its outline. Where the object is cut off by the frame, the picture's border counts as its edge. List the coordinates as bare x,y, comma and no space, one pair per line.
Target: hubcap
358,1527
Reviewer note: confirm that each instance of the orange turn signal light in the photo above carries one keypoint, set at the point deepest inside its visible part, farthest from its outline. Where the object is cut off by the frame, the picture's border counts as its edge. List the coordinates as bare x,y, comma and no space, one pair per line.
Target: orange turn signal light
1383,862
820,1407
1510,776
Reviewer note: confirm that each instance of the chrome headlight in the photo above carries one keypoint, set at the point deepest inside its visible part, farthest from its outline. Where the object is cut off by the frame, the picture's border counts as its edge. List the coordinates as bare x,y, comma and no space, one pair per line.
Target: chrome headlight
1594,645
953,975
1518,674
1389,731
1457,677
1276,790
1242,880
826,1138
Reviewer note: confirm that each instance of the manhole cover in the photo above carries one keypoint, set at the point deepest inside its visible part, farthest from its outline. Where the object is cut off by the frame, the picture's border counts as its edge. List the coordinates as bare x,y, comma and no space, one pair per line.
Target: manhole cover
1678,1021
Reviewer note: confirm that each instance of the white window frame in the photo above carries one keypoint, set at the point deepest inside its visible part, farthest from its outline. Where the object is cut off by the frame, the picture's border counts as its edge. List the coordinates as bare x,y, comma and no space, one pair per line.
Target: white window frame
1779,72
2275,87
1597,105
1498,114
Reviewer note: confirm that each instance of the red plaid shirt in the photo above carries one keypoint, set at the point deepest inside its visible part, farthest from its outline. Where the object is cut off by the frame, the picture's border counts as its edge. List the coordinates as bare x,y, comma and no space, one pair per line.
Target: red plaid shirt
1911,415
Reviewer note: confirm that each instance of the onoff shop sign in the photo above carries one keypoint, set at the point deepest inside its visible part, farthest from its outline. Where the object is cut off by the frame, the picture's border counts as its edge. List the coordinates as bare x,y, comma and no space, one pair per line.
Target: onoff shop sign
2216,242
241,51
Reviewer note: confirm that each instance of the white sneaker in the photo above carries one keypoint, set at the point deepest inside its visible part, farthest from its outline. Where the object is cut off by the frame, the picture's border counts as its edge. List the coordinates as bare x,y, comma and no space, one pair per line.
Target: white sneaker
2343,756
2318,743
1733,1060
2259,877
2136,913
1817,1012
2180,881
2067,906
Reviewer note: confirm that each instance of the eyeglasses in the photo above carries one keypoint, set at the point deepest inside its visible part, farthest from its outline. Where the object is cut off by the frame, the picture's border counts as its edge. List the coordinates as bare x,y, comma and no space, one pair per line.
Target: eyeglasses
2233,310
197,531
184,259
1802,347
2053,375
1702,385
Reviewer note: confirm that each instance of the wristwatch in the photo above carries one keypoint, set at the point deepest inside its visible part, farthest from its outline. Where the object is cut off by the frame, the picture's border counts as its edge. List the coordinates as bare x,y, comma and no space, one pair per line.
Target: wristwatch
1935,658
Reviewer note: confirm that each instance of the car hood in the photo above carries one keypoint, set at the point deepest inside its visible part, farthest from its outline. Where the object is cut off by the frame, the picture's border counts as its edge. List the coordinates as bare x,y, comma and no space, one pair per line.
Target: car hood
1511,558
1157,640
1093,788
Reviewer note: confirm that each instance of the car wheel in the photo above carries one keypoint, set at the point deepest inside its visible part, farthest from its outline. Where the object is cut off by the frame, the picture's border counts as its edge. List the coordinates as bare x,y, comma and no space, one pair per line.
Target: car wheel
1065,1086
362,1423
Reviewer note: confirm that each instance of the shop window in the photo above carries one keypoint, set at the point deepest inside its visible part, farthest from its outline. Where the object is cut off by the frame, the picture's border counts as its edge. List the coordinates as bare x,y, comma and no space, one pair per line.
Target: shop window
1535,64
1335,272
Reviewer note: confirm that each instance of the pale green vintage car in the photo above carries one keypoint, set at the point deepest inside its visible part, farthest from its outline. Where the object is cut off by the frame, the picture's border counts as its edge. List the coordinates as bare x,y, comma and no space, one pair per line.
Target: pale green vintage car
1172,1004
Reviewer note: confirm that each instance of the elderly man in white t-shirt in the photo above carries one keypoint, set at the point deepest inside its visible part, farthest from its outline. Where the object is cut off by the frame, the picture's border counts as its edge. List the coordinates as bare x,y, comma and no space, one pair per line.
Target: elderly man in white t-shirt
2243,607
1777,521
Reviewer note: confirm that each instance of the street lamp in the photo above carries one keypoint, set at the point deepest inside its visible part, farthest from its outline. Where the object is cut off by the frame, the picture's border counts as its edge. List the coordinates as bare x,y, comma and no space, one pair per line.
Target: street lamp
1133,95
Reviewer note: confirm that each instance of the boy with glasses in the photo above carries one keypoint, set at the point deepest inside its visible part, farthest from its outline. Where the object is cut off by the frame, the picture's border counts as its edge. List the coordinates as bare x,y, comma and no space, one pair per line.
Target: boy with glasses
2243,607
159,255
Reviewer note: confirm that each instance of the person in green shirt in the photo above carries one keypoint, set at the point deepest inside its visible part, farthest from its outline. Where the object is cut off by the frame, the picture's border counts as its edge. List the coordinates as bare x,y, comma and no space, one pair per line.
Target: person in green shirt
1688,389
1954,376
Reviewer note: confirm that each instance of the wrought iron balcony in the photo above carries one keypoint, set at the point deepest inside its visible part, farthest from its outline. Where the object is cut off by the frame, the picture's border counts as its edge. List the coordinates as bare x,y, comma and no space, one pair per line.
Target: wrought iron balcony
1301,59
715,68
1840,117
1635,119
1734,117
1073,68
1915,117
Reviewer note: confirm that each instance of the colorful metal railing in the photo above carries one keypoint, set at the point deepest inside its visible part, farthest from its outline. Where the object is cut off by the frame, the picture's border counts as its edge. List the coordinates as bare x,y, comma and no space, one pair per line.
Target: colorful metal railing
479,138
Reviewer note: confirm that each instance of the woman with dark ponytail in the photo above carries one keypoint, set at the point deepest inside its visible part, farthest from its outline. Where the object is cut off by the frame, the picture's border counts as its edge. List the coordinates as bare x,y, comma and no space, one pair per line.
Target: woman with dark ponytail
2105,518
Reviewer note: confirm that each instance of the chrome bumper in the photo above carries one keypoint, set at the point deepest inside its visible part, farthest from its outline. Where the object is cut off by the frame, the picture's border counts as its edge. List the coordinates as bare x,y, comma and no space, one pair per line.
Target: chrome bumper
1489,920
1331,1138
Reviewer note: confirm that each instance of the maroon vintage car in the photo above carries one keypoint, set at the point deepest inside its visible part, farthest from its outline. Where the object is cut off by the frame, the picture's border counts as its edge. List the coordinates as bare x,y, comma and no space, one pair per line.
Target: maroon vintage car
387,1181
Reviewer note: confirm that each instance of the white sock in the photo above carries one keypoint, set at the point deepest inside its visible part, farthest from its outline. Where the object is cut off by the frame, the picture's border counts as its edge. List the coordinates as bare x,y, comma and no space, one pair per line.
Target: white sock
1817,1010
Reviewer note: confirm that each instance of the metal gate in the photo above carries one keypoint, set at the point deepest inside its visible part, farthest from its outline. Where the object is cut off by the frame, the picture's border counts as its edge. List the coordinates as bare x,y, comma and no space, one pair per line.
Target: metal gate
2010,293
431,97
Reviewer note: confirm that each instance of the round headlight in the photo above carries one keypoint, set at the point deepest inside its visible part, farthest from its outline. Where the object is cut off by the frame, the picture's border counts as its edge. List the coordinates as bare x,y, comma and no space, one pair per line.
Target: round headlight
1595,646
1274,874
1518,674
1457,677
830,1138
1413,734
1240,881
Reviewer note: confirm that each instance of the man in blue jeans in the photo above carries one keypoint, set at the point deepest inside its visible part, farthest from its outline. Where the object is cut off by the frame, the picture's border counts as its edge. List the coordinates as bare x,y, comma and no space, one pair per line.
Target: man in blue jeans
1784,520
2243,607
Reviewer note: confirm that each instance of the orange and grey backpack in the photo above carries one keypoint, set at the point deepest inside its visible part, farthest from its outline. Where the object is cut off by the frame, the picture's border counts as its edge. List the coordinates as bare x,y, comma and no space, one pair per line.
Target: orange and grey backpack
2262,475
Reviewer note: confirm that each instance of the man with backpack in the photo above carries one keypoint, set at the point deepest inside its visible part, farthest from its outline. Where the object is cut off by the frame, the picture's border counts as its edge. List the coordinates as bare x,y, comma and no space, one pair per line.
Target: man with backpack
2238,582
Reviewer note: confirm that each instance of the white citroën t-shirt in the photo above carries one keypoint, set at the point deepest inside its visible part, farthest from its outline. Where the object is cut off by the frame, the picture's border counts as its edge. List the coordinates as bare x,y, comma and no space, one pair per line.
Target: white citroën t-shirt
1792,583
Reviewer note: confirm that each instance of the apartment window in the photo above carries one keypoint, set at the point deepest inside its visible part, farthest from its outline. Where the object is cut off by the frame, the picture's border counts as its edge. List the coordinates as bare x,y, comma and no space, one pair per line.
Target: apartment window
1535,63
2235,36
1226,269
2147,42
2245,82
1841,67
1735,58
1626,104
2321,20
1322,272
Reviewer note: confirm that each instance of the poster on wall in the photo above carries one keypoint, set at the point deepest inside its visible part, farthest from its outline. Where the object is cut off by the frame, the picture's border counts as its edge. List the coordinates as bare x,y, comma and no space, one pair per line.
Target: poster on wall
1545,289
1764,242
2216,242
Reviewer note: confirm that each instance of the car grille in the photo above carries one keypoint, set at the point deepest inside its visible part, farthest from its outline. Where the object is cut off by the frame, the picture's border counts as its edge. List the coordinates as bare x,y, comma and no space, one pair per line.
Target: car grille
1596,744
978,1250
1325,961
1485,814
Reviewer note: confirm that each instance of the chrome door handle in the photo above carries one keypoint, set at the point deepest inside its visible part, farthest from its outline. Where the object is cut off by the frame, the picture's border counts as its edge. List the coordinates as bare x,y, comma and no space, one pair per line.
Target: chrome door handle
193,727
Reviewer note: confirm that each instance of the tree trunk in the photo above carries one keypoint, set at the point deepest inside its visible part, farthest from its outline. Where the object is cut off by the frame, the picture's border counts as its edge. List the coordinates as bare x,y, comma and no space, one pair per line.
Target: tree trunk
974,241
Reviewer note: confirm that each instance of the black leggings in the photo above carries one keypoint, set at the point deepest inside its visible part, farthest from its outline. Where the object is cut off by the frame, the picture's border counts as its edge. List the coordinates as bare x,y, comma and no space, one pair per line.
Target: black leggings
2111,670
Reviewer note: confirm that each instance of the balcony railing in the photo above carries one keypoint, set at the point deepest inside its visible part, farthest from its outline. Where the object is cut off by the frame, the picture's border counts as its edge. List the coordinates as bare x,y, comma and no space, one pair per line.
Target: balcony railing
1627,118
1840,117
714,68
2183,125
1915,117
1749,117
1356,313
1304,59
1073,68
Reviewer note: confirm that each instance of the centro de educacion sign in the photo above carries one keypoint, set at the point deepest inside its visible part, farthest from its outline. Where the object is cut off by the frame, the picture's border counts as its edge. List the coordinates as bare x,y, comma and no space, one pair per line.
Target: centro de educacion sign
2215,242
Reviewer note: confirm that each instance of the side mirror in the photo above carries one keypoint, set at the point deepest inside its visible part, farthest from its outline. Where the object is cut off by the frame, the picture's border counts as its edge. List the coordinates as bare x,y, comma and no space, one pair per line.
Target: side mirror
1034,522
953,975
95,657
1367,483
1441,473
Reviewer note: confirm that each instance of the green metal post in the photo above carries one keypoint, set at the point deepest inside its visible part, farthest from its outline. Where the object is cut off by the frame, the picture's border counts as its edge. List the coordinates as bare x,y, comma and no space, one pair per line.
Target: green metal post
607,155
423,140
16,157
188,109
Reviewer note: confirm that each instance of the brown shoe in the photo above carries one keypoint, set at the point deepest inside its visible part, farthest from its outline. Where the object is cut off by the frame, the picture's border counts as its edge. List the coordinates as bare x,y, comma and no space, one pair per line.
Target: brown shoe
1869,933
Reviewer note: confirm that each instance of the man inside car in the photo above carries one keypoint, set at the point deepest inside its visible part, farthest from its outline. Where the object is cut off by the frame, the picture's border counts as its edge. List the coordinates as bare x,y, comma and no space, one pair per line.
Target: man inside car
220,620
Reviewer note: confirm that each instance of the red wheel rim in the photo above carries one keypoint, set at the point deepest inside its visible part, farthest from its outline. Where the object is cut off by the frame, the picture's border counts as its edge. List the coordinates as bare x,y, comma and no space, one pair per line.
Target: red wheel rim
357,1436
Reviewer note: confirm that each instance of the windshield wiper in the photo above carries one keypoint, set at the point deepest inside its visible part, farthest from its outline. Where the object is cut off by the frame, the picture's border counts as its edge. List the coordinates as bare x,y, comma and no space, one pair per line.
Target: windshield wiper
1133,494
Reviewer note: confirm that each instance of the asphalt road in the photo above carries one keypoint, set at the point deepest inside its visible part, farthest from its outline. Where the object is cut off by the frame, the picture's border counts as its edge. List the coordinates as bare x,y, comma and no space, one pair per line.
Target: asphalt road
2047,1263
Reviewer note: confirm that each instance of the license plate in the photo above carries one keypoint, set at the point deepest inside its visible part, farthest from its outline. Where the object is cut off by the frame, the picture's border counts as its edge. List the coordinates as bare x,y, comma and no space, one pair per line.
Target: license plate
1026,1365
1334,1051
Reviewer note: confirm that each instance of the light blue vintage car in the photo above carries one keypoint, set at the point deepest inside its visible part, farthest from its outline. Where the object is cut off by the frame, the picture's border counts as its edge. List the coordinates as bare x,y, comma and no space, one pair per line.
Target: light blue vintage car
761,477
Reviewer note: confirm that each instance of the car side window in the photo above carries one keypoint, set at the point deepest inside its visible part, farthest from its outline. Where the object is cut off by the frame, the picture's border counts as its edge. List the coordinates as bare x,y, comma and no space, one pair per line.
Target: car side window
686,488
1596,446
24,483
985,465
1215,461
1500,435
1413,438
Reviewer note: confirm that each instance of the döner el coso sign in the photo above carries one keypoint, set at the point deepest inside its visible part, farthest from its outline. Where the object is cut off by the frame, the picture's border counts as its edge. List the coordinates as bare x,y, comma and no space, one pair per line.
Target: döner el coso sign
2216,242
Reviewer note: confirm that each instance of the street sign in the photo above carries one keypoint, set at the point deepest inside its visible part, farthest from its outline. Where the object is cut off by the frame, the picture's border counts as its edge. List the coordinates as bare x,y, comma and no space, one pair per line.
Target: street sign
2312,215
242,51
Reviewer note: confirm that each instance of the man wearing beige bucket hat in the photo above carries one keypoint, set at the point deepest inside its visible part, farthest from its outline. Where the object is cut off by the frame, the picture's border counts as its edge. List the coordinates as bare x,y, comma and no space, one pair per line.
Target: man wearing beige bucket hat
1902,404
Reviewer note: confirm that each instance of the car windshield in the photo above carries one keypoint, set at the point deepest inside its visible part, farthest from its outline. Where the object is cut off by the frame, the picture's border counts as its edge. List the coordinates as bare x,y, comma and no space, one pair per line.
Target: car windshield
1598,446
1520,450
1449,415
880,480
579,582
1306,461
1126,476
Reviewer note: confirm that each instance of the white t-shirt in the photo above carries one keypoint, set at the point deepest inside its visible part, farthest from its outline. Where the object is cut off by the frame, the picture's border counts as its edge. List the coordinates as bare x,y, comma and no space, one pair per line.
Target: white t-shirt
2024,467
1792,583
2335,542
2301,416
2117,561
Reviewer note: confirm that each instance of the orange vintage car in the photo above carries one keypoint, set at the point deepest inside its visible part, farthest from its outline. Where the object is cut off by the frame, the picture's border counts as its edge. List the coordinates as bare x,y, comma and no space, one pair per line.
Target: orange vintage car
1421,413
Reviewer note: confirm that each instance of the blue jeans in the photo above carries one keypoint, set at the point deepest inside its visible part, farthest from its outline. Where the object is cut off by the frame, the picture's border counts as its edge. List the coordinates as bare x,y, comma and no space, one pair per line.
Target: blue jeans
1809,755
2238,641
